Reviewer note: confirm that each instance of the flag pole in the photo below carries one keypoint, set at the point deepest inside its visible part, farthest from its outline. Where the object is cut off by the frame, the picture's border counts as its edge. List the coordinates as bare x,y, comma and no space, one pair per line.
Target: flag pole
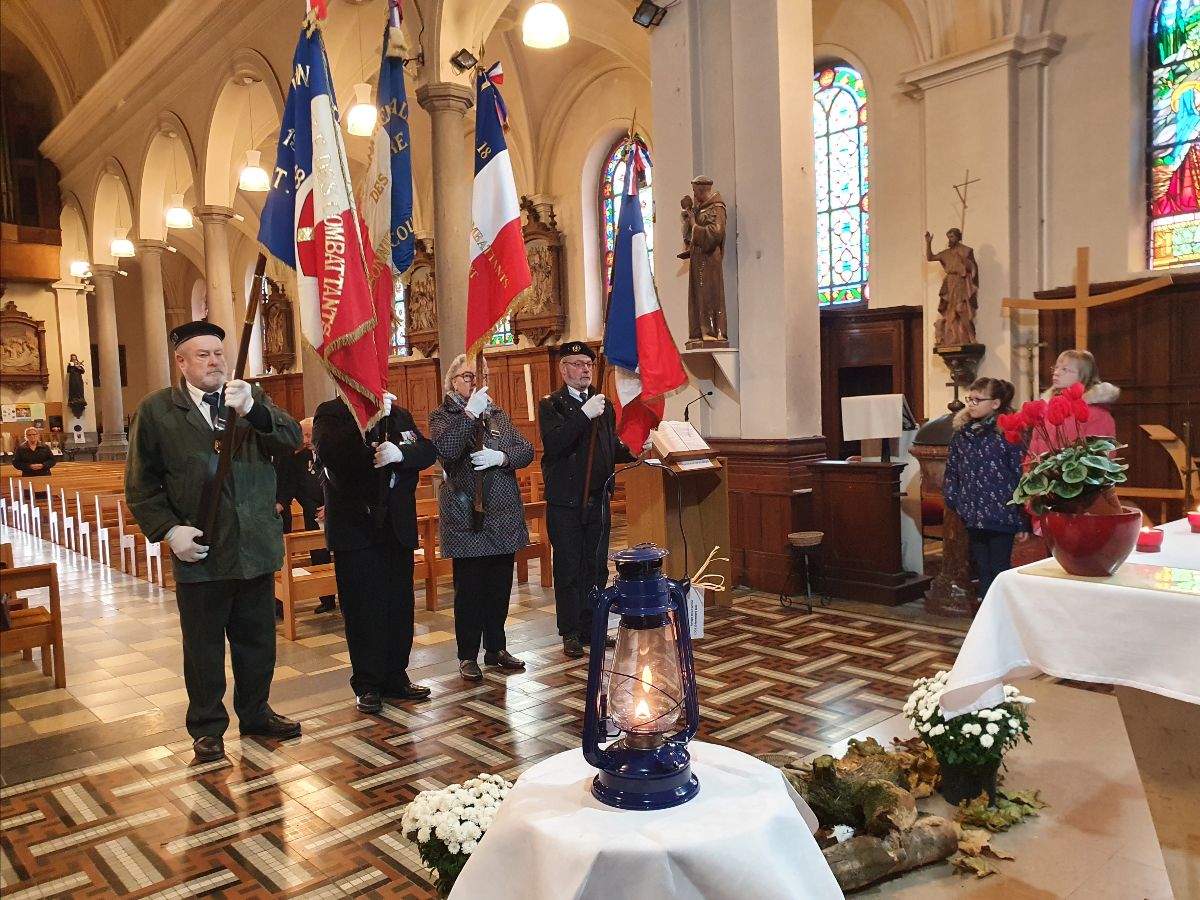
601,359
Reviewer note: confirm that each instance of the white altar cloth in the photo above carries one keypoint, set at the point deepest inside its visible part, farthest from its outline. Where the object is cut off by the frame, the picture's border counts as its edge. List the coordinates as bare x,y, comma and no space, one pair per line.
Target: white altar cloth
747,834
1118,630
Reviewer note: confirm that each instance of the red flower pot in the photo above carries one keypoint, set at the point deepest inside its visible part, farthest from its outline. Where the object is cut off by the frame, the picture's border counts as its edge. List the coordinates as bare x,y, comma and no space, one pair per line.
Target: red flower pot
1092,545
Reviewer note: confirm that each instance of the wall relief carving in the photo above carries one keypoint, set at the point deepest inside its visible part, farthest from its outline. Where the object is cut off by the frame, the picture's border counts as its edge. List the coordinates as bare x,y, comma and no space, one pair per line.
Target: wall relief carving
543,317
22,348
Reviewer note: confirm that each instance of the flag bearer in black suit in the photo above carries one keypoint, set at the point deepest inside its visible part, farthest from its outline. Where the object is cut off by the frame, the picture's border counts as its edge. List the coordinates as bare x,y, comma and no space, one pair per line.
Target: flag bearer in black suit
225,586
580,549
371,527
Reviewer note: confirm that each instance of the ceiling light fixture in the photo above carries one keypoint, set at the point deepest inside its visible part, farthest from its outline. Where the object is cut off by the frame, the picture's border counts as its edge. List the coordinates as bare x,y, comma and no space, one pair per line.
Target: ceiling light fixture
544,26
177,215
254,177
360,120
80,268
121,246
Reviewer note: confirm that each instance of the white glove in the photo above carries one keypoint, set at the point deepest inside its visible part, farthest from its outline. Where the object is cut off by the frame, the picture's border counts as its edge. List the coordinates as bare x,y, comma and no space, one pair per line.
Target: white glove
238,397
388,399
182,539
477,405
487,458
649,445
386,454
593,406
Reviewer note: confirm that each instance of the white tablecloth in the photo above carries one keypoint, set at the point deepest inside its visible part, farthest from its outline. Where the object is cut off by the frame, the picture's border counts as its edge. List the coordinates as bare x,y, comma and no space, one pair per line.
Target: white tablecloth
743,837
1087,629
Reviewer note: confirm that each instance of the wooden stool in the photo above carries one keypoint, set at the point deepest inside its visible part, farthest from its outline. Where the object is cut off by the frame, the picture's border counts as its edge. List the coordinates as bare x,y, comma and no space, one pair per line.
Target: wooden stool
804,546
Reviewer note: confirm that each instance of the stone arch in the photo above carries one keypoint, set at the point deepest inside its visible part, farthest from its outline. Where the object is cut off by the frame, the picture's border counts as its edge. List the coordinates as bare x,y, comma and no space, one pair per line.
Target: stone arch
168,167
249,91
75,245
112,208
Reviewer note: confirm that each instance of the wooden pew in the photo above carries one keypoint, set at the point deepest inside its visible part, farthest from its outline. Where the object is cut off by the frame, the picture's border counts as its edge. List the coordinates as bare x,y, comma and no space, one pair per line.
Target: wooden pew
300,579
36,626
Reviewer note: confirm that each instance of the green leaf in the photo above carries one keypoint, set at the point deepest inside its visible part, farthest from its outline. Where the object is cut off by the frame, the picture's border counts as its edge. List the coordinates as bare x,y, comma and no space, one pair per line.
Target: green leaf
1036,484
1074,473
1068,491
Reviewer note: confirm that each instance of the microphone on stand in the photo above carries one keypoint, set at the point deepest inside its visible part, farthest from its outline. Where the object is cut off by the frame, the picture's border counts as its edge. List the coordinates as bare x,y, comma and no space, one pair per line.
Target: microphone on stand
686,411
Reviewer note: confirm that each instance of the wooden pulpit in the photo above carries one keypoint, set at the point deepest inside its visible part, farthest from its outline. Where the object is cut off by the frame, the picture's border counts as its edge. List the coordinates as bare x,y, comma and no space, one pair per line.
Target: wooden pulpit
857,505
660,497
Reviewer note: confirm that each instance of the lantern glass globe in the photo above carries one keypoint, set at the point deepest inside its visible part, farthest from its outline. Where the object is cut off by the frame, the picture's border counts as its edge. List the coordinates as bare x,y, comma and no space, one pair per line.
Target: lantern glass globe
544,27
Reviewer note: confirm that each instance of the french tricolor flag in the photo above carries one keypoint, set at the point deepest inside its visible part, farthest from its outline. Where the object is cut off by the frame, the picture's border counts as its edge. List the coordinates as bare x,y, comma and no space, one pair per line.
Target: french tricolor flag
499,268
636,338
311,224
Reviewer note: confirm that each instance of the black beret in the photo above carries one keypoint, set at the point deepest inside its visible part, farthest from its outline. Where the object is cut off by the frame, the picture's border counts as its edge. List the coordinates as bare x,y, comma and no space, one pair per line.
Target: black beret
189,330
576,348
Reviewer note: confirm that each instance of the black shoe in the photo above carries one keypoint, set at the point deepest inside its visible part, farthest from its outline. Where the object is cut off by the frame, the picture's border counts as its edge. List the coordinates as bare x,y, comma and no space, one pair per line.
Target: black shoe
275,726
572,649
368,702
504,660
326,605
208,748
469,670
416,692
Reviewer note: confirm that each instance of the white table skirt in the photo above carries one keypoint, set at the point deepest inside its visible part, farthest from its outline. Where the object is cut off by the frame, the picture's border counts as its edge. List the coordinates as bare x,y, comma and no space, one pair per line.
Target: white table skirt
747,834
1084,629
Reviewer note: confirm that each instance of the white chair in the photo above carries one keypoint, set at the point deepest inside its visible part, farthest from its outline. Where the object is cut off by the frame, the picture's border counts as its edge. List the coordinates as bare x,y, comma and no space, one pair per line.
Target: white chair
35,512
103,545
22,507
70,537
153,555
128,541
84,528
51,516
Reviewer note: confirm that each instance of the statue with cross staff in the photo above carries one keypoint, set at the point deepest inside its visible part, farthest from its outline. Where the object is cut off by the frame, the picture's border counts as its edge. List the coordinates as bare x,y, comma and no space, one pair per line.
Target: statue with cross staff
959,294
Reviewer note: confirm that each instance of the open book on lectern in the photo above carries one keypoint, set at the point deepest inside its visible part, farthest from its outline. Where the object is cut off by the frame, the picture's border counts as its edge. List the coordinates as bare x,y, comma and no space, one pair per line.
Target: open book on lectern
680,445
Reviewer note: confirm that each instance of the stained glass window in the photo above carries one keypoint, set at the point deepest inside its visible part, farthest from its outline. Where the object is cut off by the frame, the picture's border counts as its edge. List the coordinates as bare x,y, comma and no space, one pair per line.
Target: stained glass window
503,335
612,187
400,322
1174,157
843,239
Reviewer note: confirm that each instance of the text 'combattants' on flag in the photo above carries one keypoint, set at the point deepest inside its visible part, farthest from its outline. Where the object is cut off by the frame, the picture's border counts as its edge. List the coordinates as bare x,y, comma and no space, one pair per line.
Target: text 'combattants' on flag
637,340
499,275
310,223
386,198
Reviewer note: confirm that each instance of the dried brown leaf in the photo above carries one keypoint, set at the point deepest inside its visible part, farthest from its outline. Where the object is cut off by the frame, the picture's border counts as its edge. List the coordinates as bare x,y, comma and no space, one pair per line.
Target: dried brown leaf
976,865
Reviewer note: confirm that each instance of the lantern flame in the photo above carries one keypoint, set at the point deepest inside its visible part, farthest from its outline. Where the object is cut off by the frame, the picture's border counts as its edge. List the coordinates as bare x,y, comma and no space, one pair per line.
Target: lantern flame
646,682
642,712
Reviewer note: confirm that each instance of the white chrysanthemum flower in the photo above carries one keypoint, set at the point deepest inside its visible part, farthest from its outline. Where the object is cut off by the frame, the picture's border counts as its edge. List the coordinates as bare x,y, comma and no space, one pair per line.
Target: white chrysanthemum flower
993,728
987,740
1014,724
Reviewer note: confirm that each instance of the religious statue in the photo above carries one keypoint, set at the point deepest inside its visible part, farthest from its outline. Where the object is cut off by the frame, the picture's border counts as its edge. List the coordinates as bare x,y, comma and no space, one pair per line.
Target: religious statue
959,293
703,222
276,336
75,396
422,311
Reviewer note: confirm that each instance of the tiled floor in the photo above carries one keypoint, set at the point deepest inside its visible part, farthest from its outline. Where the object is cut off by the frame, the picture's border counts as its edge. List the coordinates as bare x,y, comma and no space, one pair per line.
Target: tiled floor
100,794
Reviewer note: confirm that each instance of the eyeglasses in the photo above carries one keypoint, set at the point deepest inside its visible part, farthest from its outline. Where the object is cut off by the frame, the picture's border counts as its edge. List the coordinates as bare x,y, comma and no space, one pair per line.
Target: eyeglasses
466,376
972,401
1065,369
579,364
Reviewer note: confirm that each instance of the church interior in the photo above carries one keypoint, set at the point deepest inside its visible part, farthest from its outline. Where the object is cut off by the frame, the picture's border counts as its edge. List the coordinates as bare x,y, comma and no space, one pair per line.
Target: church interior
139,143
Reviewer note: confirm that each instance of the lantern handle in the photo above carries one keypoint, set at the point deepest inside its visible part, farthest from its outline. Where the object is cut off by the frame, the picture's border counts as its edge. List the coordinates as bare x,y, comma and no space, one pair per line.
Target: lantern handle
593,722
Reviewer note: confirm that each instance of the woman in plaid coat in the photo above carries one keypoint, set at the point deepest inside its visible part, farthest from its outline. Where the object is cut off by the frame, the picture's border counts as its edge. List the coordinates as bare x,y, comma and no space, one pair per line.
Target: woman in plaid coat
483,556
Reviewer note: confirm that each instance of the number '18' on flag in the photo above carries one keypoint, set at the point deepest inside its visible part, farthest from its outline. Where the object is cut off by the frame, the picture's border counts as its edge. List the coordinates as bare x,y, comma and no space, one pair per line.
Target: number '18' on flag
310,223
499,268
636,338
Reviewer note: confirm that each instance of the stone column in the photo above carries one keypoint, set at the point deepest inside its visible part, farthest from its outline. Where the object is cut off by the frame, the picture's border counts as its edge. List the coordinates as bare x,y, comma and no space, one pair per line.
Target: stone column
154,309
446,104
73,337
217,275
112,404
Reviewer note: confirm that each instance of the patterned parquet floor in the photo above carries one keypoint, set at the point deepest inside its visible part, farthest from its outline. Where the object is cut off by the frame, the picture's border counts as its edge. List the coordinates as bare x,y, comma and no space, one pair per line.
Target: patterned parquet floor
318,816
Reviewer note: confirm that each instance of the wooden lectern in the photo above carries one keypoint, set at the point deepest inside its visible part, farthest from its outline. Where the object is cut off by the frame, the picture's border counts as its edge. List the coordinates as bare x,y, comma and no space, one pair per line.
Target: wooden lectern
657,493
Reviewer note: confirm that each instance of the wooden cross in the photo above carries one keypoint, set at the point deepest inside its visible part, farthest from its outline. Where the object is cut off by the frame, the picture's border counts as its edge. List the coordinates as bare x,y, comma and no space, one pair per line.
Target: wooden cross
1084,299
961,190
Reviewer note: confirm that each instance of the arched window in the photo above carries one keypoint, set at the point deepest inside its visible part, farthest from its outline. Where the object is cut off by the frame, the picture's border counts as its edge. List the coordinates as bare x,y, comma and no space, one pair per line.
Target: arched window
400,322
612,187
843,240
1174,157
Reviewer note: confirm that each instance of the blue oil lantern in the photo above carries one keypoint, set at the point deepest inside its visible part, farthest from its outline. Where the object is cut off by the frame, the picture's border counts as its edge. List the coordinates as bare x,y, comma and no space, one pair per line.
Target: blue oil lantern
644,690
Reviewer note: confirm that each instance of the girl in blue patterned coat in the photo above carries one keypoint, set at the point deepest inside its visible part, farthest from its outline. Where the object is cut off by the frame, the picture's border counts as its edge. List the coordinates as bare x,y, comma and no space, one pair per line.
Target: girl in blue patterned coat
982,470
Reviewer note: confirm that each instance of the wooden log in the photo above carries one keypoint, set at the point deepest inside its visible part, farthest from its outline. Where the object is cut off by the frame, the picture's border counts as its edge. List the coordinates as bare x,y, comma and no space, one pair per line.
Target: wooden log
866,859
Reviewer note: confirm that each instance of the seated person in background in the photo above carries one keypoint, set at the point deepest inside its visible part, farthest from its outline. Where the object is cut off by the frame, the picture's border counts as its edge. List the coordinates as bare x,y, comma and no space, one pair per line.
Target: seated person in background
33,457
297,477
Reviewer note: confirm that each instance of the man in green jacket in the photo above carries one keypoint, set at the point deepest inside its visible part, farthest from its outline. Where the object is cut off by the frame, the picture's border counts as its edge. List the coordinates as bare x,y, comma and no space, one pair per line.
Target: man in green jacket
224,581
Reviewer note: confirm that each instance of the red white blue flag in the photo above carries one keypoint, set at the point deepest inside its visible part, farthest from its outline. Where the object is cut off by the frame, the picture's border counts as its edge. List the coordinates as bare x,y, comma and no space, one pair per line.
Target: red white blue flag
311,224
636,338
499,268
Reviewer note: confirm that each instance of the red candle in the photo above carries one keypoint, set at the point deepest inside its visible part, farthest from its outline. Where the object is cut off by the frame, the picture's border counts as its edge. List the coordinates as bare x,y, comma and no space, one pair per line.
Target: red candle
1150,540
1194,519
